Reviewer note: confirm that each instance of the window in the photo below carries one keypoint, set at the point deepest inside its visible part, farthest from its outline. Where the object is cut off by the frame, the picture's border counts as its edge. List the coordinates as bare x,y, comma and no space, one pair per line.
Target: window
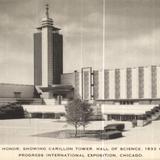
126,102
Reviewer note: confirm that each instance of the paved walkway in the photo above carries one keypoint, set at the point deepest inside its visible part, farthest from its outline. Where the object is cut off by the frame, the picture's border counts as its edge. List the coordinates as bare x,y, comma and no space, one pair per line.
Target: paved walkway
21,132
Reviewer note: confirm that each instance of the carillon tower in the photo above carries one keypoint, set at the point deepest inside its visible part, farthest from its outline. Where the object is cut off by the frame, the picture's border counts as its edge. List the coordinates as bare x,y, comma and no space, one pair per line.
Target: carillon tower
48,53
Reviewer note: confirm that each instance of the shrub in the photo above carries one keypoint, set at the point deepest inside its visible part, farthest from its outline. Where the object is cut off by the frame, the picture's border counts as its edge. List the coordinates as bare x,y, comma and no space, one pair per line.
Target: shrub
11,111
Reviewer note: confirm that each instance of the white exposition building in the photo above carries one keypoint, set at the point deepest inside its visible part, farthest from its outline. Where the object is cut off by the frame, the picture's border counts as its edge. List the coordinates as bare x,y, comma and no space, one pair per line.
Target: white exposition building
124,94
48,62
124,86
137,90
139,85
102,88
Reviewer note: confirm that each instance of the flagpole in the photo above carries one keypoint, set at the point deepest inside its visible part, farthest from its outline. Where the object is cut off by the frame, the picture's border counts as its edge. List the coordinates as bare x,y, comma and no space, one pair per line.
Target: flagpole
103,49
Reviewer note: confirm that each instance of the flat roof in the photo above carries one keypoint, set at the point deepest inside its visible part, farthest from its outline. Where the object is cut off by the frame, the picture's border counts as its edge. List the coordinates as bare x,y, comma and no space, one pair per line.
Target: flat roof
126,109
44,108
57,88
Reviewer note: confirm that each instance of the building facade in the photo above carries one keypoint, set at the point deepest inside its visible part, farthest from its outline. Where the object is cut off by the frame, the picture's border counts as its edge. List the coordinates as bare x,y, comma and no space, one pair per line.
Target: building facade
48,62
48,53
124,86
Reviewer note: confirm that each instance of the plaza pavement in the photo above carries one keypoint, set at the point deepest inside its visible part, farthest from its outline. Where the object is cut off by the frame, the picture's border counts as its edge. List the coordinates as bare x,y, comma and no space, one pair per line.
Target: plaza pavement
24,131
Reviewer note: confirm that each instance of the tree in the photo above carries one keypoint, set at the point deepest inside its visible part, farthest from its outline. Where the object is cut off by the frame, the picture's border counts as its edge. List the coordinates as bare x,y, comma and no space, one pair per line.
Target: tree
73,114
78,113
86,113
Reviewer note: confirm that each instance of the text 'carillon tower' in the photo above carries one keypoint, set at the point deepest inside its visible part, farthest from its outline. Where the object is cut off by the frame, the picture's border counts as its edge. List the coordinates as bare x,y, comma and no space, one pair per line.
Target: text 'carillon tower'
48,53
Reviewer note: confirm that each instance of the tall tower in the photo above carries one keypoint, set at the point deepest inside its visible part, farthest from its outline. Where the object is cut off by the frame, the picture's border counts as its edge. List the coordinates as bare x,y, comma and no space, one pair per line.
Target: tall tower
48,53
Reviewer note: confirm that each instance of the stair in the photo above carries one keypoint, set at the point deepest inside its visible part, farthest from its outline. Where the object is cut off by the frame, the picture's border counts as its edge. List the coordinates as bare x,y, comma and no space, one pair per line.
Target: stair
49,101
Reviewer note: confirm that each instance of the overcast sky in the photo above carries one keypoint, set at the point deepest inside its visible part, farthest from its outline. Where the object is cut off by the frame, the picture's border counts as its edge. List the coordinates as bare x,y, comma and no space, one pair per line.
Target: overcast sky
132,34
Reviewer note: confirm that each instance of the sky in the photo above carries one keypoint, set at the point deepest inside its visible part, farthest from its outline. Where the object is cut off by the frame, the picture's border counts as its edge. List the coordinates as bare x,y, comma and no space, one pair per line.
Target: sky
132,34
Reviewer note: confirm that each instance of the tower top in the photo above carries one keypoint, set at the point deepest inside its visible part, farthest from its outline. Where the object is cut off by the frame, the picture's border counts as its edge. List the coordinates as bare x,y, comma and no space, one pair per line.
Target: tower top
46,21
47,11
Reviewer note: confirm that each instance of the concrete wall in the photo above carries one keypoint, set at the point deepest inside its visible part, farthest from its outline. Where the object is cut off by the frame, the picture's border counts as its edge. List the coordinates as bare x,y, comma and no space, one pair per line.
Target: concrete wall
37,59
135,83
139,83
68,78
106,84
96,84
129,83
8,90
111,84
87,83
48,57
57,57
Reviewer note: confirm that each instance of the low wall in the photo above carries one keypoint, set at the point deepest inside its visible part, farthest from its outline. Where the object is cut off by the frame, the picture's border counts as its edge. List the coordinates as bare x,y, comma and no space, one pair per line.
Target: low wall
9,90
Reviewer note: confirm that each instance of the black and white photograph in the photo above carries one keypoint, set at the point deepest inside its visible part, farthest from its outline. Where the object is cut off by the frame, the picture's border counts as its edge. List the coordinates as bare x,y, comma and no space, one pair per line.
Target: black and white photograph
80,79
